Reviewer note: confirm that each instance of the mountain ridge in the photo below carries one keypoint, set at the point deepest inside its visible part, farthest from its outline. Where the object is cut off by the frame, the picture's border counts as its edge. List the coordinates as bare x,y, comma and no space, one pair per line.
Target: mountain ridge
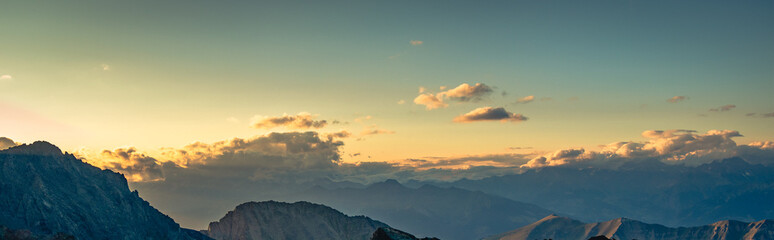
557,227
45,191
299,220
448,213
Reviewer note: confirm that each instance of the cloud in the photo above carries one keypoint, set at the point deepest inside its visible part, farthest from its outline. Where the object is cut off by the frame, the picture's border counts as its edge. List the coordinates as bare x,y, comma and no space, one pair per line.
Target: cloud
467,161
677,99
462,93
430,101
401,102
339,134
105,67
526,99
374,130
6,77
724,108
363,119
416,42
489,114
300,121
465,92
136,167
6,143
762,115
670,146
232,120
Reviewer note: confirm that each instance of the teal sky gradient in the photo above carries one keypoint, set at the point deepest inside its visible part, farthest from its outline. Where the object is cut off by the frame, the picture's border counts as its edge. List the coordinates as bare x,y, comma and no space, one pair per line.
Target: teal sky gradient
177,70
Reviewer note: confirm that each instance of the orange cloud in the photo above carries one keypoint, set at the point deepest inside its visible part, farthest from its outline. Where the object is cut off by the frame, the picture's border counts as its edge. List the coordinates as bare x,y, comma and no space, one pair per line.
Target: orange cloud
677,99
430,101
463,93
299,121
526,99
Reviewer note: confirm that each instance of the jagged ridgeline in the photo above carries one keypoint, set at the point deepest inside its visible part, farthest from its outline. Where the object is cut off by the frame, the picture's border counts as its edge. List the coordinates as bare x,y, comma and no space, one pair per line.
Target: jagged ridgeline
46,192
556,227
300,220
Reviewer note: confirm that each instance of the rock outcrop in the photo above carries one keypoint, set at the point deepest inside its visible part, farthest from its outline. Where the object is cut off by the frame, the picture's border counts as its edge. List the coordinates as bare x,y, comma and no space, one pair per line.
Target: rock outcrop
46,192
300,220
555,227
395,234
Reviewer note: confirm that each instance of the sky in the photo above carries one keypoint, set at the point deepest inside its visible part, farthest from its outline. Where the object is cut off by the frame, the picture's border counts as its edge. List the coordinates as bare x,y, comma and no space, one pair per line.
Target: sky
396,80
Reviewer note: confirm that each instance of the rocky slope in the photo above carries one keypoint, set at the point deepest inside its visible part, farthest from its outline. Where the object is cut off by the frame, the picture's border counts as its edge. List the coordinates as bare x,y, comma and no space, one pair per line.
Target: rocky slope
46,192
555,227
300,220
387,233
447,213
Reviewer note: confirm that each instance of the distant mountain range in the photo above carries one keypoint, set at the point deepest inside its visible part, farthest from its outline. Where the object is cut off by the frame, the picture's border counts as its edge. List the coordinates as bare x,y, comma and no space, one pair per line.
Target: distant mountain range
300,220
674,195
46,193
446,213
555,227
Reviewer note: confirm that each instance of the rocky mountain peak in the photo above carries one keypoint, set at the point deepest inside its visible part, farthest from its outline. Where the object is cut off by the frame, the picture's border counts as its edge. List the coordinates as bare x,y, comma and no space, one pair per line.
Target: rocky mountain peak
41,148
45,192
299,220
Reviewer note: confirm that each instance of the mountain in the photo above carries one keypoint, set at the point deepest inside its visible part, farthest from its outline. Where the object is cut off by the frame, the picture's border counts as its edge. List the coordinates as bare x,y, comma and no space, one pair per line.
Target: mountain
395,234
300,220
45,192
15,234
674,195
448,213
555,227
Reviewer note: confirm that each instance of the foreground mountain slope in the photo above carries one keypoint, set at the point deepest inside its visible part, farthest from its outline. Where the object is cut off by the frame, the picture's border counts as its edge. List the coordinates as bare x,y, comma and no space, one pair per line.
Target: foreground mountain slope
447,213
555,227
300,220
395,234
674,195
46,192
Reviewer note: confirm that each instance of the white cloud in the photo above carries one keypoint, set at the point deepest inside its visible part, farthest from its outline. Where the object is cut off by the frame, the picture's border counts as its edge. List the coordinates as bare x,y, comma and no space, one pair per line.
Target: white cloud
416,42
6,77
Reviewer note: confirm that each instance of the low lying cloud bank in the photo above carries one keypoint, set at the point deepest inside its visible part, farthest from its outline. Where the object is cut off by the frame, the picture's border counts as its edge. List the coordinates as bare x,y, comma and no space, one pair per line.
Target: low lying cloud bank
137,167
309,156
6,143
672,146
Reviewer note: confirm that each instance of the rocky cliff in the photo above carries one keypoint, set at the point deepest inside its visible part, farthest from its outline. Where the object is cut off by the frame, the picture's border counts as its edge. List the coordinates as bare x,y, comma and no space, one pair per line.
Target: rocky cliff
300,220
46,192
